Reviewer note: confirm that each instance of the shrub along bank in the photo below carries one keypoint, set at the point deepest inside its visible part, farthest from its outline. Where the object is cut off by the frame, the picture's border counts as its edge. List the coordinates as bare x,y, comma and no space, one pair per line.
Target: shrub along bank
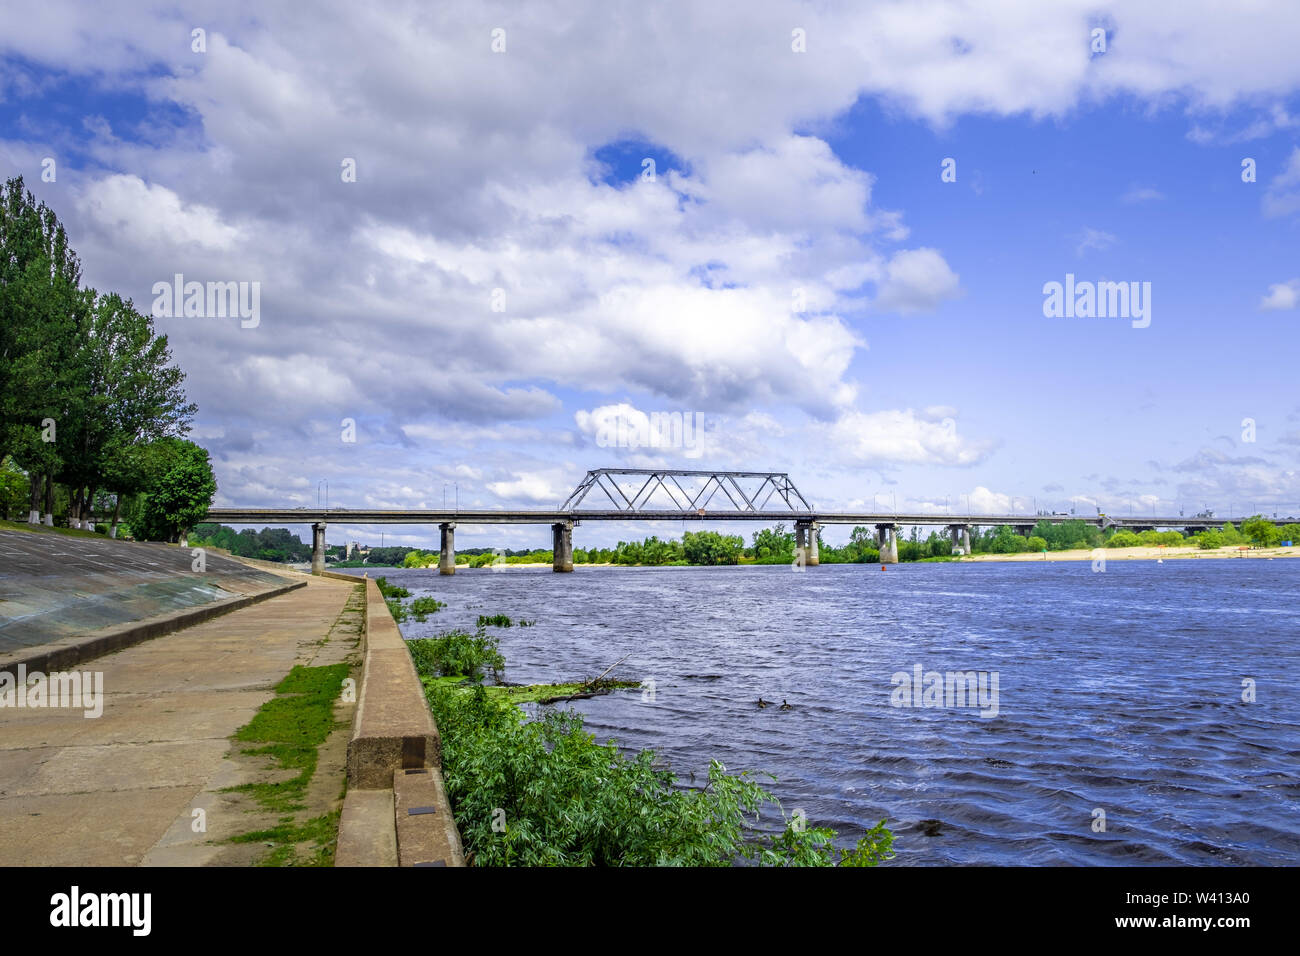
544,793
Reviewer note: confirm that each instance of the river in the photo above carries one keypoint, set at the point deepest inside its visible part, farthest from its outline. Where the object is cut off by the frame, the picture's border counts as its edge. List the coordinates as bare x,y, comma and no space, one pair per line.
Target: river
1117,692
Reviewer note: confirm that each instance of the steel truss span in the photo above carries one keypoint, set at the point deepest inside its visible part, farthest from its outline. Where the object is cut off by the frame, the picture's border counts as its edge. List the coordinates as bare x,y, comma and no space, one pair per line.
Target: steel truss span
747,492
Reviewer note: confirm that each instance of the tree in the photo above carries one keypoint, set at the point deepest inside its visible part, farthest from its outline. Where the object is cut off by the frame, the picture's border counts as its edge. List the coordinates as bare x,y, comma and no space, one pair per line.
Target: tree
127,394
1006,541
1209,540
13,490
43,314
180,497
711,548
1261,531
773,543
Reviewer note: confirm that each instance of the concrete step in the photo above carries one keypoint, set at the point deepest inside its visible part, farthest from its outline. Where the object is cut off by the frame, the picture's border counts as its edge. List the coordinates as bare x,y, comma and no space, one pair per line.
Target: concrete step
426,831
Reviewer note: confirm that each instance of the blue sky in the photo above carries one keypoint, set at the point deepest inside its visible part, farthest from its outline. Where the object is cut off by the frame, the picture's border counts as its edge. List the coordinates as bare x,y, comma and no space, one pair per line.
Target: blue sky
922,366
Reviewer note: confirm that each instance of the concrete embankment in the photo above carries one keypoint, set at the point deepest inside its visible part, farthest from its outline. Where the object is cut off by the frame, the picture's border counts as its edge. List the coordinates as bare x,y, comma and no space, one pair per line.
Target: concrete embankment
67,599
396,810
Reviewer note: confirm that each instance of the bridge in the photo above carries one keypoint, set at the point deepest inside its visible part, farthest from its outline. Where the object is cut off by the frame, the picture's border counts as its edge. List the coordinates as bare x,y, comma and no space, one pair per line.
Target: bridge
647,494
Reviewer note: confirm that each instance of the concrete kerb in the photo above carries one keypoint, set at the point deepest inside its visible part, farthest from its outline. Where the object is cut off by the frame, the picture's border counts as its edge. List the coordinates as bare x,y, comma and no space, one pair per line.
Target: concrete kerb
66,653
394,738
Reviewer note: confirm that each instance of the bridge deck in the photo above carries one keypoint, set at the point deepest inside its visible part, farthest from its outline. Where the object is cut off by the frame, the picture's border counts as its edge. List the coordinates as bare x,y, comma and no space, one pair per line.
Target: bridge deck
279,516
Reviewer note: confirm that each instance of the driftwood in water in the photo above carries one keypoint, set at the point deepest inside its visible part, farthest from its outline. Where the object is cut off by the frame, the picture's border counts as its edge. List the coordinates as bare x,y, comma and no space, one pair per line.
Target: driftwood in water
595,687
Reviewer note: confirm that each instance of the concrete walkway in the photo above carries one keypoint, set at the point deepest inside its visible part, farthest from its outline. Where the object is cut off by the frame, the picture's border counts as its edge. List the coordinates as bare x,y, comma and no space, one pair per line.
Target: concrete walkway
109,790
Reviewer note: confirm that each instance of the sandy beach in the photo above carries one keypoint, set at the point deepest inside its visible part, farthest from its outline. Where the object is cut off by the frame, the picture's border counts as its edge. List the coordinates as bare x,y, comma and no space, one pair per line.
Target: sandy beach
1143,554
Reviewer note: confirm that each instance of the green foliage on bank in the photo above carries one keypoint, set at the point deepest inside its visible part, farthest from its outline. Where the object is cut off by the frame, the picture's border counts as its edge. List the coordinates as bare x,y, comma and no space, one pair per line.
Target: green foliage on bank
458,654
775,545
391,590
544,793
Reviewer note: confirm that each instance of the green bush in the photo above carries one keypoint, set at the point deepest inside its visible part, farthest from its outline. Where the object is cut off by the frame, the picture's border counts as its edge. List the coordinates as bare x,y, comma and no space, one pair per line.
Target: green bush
423,607
391,590
544,793
494,620
1262,532
1123,539
458,654
1231,535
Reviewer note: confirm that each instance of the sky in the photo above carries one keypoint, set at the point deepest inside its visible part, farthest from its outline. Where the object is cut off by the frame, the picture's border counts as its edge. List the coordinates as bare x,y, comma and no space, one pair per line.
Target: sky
483,234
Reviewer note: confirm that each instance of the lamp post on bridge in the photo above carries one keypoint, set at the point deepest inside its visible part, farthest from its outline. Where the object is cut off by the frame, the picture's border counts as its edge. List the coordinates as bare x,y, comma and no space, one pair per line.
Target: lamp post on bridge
318,531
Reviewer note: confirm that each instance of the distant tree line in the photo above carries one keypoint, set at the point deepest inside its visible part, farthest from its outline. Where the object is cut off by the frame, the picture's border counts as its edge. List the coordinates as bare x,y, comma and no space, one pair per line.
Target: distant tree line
269,544
773,545
92,410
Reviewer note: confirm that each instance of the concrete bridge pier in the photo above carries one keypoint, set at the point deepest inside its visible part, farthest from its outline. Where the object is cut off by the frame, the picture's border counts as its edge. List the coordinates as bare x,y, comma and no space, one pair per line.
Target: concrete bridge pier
887,537
960,534
1024,530
805,542
447,548
317,547
562,546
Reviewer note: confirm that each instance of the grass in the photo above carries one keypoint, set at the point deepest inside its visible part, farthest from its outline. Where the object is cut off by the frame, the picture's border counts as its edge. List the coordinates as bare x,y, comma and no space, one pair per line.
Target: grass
291,727
322,832
42,529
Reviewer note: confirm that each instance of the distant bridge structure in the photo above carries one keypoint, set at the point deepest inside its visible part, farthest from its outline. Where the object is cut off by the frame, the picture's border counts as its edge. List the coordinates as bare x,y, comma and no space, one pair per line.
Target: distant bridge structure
664,494
702,488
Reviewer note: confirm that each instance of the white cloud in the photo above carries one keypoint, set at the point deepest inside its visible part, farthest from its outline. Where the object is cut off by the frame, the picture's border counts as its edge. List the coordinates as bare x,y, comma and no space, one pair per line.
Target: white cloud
900,436
1093,239
1282,197
983,501
153,217
917,280
474,174
531,488
1138,194
1281,295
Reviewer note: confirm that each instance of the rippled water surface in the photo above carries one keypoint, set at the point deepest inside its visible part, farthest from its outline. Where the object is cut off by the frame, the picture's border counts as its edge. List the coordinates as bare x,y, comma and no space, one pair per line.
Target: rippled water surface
1119,691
